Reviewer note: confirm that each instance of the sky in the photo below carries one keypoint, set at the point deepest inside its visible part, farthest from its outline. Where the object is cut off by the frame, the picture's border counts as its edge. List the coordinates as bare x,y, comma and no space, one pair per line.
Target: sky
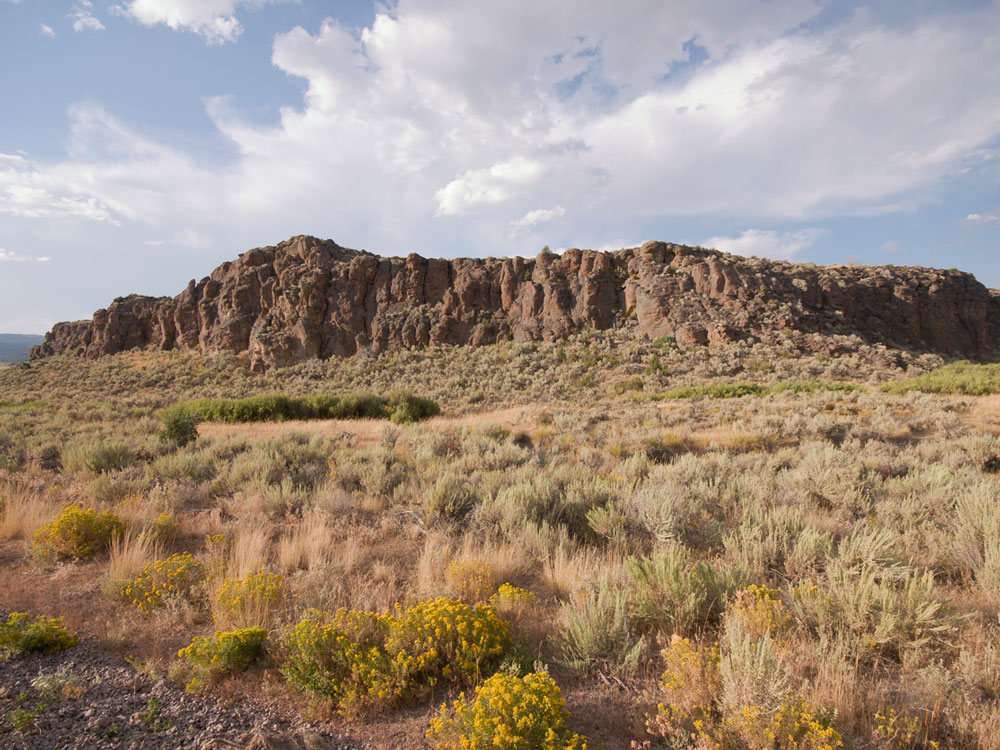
144,142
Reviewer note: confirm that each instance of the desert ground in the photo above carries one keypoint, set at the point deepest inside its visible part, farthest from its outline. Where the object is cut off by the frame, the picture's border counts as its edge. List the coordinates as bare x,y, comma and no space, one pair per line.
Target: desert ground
616,541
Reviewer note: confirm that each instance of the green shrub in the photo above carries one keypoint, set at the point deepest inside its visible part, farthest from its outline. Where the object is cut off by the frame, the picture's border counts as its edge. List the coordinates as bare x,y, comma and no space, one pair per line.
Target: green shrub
751,673
12,452
180,425
23,405
105,459
887,616
739,389
739,699
400,407
451,497
507,712
958,377
598,634
183,467
622,387
25,634
674,595
405,408
223,654
77,533
363,659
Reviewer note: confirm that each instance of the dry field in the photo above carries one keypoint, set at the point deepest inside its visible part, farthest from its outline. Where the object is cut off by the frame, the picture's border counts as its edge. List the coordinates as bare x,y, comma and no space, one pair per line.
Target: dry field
814,566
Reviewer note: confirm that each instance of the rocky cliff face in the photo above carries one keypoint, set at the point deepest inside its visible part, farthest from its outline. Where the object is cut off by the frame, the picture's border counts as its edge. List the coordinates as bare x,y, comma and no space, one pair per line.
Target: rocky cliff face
309,298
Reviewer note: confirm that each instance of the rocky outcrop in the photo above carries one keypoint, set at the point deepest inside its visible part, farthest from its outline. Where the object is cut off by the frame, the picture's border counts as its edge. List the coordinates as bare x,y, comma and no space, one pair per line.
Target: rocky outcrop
309,298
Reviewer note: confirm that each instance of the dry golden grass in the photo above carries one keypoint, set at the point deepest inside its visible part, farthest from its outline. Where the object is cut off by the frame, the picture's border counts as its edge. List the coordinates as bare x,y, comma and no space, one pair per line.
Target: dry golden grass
982,413
368,433
564,572
137,510
23,511
364,433
428,574
128,555
308,543
250,550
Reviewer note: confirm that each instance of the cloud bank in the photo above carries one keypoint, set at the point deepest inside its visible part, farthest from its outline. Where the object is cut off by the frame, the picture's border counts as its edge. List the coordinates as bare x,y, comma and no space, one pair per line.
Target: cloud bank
480,127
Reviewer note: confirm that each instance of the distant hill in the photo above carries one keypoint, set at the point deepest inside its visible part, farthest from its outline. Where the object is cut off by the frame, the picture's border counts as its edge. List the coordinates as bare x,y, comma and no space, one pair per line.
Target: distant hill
14,347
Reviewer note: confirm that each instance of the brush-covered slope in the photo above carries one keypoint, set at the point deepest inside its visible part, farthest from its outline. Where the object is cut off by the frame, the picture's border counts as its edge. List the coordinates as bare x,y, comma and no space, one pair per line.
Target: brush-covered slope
308,297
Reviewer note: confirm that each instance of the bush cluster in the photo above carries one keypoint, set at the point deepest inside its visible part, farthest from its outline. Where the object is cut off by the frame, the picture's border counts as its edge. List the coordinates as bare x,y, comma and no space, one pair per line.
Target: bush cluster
362,659
77,533
512,603
225,653
25,634
401,408
697,707
507,712
736,390
250,601
471,580
180,425
174,577
957,377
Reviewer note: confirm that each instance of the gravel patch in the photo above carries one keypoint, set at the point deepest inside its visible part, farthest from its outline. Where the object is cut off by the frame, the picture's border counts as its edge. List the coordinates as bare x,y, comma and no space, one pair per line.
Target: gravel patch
97,701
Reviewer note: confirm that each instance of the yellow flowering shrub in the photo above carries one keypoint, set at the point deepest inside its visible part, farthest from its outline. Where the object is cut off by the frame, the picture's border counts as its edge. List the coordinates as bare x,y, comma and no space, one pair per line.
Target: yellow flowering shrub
689,684
690,714
363,659
227,652
512,603
164,528
795,725
507,712
758,610
250,601
174,577
34,635
471,580
341,659
77,533
446,640
217,547
900,732
218,544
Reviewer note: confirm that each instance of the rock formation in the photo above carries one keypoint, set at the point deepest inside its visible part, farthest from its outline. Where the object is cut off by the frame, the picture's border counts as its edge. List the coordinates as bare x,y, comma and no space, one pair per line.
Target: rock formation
309,298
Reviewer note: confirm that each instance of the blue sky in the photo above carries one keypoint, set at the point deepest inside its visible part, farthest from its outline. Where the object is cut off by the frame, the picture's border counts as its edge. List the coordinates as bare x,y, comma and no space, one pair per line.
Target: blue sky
146,141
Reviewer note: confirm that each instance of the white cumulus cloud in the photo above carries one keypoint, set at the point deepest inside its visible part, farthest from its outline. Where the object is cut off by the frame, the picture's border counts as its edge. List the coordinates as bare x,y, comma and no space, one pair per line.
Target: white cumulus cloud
977,221
46,30
215,20
83,18
483,186
539,216
6,256
766,243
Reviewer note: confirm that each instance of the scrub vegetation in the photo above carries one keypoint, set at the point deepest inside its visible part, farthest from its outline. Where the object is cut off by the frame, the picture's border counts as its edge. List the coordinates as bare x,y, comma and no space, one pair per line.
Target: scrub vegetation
735,547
